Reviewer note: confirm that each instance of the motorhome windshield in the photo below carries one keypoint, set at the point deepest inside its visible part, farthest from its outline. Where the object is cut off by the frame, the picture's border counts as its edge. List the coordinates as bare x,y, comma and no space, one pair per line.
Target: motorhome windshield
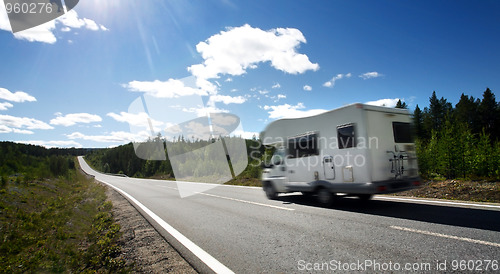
279,156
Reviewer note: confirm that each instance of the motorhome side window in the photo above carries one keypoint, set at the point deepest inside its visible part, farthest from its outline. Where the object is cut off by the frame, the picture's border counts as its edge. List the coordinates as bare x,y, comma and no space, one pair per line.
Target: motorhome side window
303,146
402,132
346,136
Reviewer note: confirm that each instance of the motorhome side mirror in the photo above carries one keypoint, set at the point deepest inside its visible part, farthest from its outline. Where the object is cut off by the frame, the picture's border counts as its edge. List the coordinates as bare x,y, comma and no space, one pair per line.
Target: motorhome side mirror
266,165
276,161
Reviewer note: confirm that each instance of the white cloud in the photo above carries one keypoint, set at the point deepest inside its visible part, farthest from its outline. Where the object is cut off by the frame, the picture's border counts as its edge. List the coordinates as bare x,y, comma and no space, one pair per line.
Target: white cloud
113,137
17,123
5,106
18,96
277,85
70,21
74,118
277,97
237,49
171,88
51,144
204,111
226,99
138,120
42,33
22,131
369,75
90,24
307,88
45,33
289,111
331,83
6,129
384,102
245,134
4,19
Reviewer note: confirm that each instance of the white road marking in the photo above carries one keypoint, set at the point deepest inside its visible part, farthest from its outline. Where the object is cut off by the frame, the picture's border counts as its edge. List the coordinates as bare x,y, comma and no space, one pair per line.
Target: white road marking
237,200
174,188
437,202
222,185
247,202
445,236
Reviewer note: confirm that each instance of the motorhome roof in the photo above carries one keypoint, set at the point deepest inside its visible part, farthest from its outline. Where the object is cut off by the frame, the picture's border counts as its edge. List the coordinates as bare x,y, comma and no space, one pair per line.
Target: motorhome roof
355,105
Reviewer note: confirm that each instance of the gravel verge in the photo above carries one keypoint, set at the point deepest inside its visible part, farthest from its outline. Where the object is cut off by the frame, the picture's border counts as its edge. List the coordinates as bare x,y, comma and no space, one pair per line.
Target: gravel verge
141,245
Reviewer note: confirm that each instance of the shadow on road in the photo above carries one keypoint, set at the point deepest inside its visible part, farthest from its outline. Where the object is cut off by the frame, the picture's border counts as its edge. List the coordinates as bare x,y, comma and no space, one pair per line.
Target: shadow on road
439,214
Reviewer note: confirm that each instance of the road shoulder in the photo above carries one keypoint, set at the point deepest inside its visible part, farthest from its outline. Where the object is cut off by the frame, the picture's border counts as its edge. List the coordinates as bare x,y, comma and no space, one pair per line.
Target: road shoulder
141,244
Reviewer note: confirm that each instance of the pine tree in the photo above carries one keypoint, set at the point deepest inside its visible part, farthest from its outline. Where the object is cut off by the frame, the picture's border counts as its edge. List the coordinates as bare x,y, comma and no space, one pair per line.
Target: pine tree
466,111
418,122
488,111
438,109
400,104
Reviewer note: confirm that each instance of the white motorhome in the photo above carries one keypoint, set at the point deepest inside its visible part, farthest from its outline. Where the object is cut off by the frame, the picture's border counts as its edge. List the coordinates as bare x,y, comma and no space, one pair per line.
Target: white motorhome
357,150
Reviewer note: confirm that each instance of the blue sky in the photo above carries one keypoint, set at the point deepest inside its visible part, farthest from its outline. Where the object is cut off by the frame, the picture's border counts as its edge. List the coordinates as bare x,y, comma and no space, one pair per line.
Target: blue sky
71,81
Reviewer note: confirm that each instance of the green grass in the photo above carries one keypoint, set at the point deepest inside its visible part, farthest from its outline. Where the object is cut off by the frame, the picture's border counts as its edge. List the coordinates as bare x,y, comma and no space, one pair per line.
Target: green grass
239,181
57,225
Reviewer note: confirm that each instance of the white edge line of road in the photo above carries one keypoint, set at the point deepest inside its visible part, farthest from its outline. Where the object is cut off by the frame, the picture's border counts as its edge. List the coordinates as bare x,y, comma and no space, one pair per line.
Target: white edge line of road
425,201
206,258
237,200
445,236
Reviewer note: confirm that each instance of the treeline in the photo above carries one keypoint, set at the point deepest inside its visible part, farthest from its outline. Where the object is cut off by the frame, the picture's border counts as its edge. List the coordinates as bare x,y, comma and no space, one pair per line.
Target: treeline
123,159
36,161
461,141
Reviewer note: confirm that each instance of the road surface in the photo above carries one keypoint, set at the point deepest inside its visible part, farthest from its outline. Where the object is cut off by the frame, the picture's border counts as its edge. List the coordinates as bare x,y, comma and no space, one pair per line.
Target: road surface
236,229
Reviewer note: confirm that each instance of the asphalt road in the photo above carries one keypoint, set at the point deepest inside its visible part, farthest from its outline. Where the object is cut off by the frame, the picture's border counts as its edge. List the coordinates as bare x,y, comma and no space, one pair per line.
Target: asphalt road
231,228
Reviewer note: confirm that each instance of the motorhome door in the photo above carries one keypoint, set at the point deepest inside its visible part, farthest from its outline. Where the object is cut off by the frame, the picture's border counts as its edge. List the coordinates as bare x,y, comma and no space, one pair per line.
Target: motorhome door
328,168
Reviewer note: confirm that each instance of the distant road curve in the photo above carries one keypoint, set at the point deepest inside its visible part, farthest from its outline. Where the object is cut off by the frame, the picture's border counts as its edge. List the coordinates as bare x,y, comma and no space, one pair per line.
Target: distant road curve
236,229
